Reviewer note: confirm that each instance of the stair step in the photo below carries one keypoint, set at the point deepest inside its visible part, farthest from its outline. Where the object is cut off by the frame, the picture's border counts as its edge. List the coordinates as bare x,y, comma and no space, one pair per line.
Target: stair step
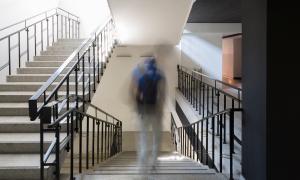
158,171
213,176
61,48
38,77
44,70
75,44
57,52
51,58
21,166
25,142
34,86
70,40
15,109
24,96
54,64
21,124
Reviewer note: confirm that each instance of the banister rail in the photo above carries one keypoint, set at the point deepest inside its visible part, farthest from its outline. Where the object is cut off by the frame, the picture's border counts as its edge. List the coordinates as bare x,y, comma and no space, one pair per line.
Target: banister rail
104,33
203,143
63,111
44,29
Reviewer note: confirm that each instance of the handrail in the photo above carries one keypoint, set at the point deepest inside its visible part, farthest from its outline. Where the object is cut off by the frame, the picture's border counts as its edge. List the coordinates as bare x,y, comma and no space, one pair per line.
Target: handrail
222,82
65,114
27,19
211,78
46,27
85,46
194,139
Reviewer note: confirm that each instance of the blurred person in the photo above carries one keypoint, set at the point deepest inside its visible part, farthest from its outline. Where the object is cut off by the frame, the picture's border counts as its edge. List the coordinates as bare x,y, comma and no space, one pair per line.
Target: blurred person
148,90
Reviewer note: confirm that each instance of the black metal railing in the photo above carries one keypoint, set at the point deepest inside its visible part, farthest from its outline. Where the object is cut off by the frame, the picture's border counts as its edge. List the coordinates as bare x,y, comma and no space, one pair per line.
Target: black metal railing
79,73
204,145
206,96
26,38
63,100
103,137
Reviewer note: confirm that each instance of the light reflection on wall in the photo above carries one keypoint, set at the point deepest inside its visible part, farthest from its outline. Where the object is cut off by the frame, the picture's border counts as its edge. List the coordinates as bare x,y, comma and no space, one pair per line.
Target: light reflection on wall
204,50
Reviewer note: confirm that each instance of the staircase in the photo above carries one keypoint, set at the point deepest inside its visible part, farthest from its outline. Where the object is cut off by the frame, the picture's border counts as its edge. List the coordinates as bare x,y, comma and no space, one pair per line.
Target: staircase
20,137
171,165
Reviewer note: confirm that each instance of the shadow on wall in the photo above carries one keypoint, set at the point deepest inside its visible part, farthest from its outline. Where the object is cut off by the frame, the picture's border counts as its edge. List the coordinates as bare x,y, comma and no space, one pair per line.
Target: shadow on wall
204,51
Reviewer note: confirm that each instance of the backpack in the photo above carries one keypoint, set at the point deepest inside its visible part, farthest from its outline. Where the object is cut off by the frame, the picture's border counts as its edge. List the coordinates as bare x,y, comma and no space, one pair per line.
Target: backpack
147,87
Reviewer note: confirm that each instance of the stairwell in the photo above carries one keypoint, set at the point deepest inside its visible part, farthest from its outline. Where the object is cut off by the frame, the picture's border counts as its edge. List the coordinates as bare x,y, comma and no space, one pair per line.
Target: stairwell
20,137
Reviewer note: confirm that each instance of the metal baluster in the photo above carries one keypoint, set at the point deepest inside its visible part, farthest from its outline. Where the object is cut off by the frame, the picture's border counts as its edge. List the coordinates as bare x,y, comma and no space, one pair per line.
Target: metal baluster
94,67
202,144
19,49
68,106
221,144
69,28
218,110
83,83
231,126
93,144
76,88
89,75
206,138
72,146
87,141
57,152
57,26
102,141
224,124
80,144
42,43
52,29
105,132
27,37
213,141
9,57
61,27
47,23
98,139
194,138
66,27
203,100
197,149
34,39
98,62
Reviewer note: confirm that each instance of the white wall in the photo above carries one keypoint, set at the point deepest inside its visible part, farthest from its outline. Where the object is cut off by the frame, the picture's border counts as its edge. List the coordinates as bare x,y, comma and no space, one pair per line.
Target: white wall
112,94
150,22
92,13
13,11
201,46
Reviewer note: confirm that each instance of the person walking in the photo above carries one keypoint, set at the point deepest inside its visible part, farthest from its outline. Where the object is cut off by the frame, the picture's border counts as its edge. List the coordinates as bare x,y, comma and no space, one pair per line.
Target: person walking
148,88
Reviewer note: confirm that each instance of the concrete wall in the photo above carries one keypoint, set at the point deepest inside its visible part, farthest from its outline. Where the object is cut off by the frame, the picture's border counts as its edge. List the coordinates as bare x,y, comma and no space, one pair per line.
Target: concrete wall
92,13
201,45
254,154
113,92
155,22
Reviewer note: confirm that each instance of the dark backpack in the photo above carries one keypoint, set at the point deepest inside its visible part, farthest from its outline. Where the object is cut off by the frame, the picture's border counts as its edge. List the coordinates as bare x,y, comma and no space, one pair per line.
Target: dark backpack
147,88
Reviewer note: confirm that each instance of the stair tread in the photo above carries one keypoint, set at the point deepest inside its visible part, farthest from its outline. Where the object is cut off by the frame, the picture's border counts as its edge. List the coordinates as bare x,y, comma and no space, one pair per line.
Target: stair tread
17,120
15,161
27,137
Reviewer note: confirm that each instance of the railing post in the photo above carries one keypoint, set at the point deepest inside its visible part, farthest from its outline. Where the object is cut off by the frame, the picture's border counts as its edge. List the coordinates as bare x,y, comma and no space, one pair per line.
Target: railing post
231,129
72,146
27,36
57,147
9,57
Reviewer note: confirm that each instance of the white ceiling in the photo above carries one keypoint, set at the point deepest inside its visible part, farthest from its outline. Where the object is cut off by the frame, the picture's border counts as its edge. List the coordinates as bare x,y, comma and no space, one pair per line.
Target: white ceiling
150,22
